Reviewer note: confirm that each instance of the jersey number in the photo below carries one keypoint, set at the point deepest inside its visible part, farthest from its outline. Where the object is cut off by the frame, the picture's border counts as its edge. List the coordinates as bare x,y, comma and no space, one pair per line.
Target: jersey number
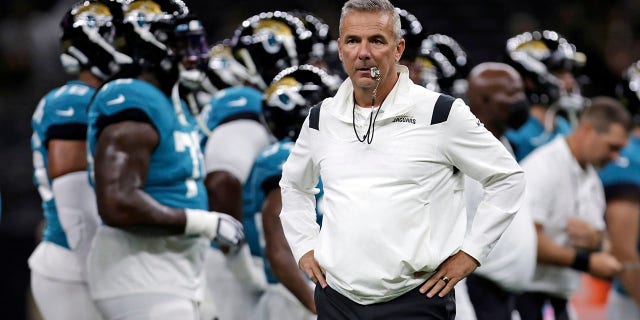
189,142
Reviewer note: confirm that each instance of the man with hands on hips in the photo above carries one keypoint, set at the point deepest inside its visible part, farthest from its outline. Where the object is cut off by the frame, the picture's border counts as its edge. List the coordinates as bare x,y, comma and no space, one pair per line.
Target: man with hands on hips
398,208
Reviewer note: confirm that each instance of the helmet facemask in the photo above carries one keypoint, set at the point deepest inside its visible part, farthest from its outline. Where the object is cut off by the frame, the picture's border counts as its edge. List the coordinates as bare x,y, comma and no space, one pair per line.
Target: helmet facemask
192,53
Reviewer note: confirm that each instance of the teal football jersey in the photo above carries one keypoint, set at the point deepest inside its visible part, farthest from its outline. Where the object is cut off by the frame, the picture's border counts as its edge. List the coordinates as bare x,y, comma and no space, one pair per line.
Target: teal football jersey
532,135
231,104
622,178
176,168
60,114
265,176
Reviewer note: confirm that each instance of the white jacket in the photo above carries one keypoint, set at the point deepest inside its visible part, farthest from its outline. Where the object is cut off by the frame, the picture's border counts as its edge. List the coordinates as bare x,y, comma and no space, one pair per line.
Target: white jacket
395,206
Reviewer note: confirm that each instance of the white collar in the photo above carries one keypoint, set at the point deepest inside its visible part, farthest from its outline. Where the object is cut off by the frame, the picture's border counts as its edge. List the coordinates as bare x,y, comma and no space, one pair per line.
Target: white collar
397,102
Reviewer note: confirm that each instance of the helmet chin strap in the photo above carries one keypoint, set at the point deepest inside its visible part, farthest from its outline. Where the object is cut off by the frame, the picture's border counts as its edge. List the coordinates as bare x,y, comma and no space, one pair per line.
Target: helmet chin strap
70,64
571,103
208,87
192,79
193,107
177,104
251,67
98,73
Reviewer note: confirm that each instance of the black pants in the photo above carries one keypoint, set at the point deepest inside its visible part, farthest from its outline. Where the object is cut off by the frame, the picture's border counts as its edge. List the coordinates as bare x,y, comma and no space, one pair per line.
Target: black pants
530,305
489,300
410,306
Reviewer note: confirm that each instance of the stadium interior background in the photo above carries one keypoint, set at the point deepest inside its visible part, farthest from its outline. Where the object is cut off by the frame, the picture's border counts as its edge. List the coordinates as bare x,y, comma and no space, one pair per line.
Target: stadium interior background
608,32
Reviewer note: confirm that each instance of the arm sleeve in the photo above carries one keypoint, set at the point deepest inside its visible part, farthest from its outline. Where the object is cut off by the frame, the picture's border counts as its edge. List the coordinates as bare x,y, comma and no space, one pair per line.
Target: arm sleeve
68,131
621,190
478,154
234,146
77,210
298,189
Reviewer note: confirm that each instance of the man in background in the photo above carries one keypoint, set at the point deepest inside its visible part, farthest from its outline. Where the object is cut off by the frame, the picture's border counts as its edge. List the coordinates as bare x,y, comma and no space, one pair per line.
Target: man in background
565,197
496,96
58,274
621,180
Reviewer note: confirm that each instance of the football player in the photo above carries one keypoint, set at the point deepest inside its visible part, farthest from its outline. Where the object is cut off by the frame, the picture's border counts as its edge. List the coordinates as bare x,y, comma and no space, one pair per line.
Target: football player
621,180
147,260
286,104
58,275
547,63
234,137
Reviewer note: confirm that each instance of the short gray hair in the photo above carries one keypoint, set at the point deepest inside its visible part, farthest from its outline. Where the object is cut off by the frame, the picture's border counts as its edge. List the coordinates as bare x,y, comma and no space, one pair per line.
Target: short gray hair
373,6
605,111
